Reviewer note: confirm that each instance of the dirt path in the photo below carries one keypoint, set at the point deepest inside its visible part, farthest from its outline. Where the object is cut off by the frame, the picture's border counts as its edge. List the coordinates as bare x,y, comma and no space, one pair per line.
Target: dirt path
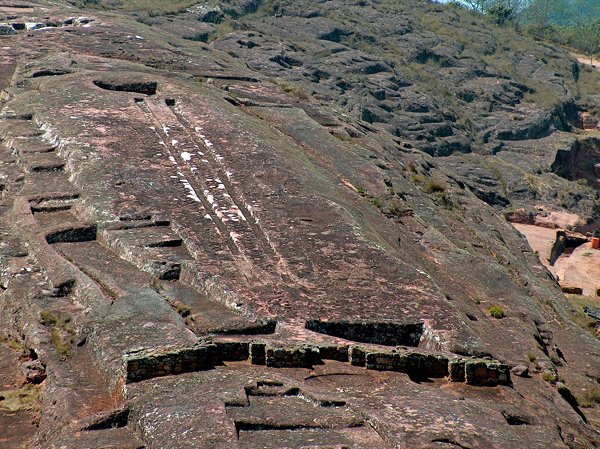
580,269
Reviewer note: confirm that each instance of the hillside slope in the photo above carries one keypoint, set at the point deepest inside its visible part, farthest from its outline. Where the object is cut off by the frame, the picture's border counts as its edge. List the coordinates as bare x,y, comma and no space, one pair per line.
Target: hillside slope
291,234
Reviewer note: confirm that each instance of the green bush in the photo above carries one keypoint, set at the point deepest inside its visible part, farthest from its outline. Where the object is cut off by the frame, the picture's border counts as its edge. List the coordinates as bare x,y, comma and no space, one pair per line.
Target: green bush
549,377
377,202
497,312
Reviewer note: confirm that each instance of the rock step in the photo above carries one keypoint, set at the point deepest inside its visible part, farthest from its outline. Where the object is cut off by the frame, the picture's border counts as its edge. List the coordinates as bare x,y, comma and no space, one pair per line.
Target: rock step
41,159
290,412
17,116
151,246
53,202
51,206
117,438
29,145
146,237
116,276
42,182
134,224
19,128
55,218
267,437
71,232
48,165
206,317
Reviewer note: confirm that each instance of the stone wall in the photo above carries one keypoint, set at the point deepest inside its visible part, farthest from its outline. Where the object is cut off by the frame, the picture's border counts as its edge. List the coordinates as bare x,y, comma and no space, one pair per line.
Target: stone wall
387,333
148,363
414,364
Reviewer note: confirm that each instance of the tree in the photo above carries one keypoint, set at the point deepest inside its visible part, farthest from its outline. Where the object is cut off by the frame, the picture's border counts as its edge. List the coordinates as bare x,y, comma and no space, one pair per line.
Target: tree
478,5
501,11
587,38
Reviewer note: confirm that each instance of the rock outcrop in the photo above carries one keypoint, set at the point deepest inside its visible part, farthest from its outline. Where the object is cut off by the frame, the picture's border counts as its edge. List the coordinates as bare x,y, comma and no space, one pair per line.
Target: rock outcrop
288,235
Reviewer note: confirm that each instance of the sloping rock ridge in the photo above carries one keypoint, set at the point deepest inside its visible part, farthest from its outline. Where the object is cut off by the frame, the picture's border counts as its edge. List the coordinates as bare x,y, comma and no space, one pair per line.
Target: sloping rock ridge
280,224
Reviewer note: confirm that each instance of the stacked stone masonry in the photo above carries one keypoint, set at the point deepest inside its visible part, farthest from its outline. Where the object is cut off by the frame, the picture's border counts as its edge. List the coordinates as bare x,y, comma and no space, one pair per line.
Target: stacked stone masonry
149,363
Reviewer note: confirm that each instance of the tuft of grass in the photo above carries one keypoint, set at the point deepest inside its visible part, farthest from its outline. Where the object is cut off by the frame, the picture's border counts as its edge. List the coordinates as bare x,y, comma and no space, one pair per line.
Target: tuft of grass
62,341
589,398
296,91
434,186
445,200
61,334
531,357
184,310
579,302
222,29
393,210
377,202
497,312
13,344
54,319
417,179
549,377
26,398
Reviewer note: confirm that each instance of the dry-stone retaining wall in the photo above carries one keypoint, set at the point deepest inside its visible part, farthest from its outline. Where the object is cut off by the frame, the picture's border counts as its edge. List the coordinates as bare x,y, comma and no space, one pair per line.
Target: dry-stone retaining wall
148,363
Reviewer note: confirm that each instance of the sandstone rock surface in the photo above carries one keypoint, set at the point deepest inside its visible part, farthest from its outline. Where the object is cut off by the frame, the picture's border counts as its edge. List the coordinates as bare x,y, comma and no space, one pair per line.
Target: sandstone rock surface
289,235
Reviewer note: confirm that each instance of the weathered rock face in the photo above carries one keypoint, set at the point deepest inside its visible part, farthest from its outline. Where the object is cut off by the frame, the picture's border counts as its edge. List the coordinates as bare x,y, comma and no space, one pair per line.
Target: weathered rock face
199,251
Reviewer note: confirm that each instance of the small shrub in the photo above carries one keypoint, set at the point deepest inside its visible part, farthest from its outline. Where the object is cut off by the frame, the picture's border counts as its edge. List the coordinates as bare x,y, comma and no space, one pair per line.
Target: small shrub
296,91
184,310
362,191
583,182
446,201
393,210
417,179
549,377
377,202
532,357
589,398
54,319
434,186
61,344
497,312
62,333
